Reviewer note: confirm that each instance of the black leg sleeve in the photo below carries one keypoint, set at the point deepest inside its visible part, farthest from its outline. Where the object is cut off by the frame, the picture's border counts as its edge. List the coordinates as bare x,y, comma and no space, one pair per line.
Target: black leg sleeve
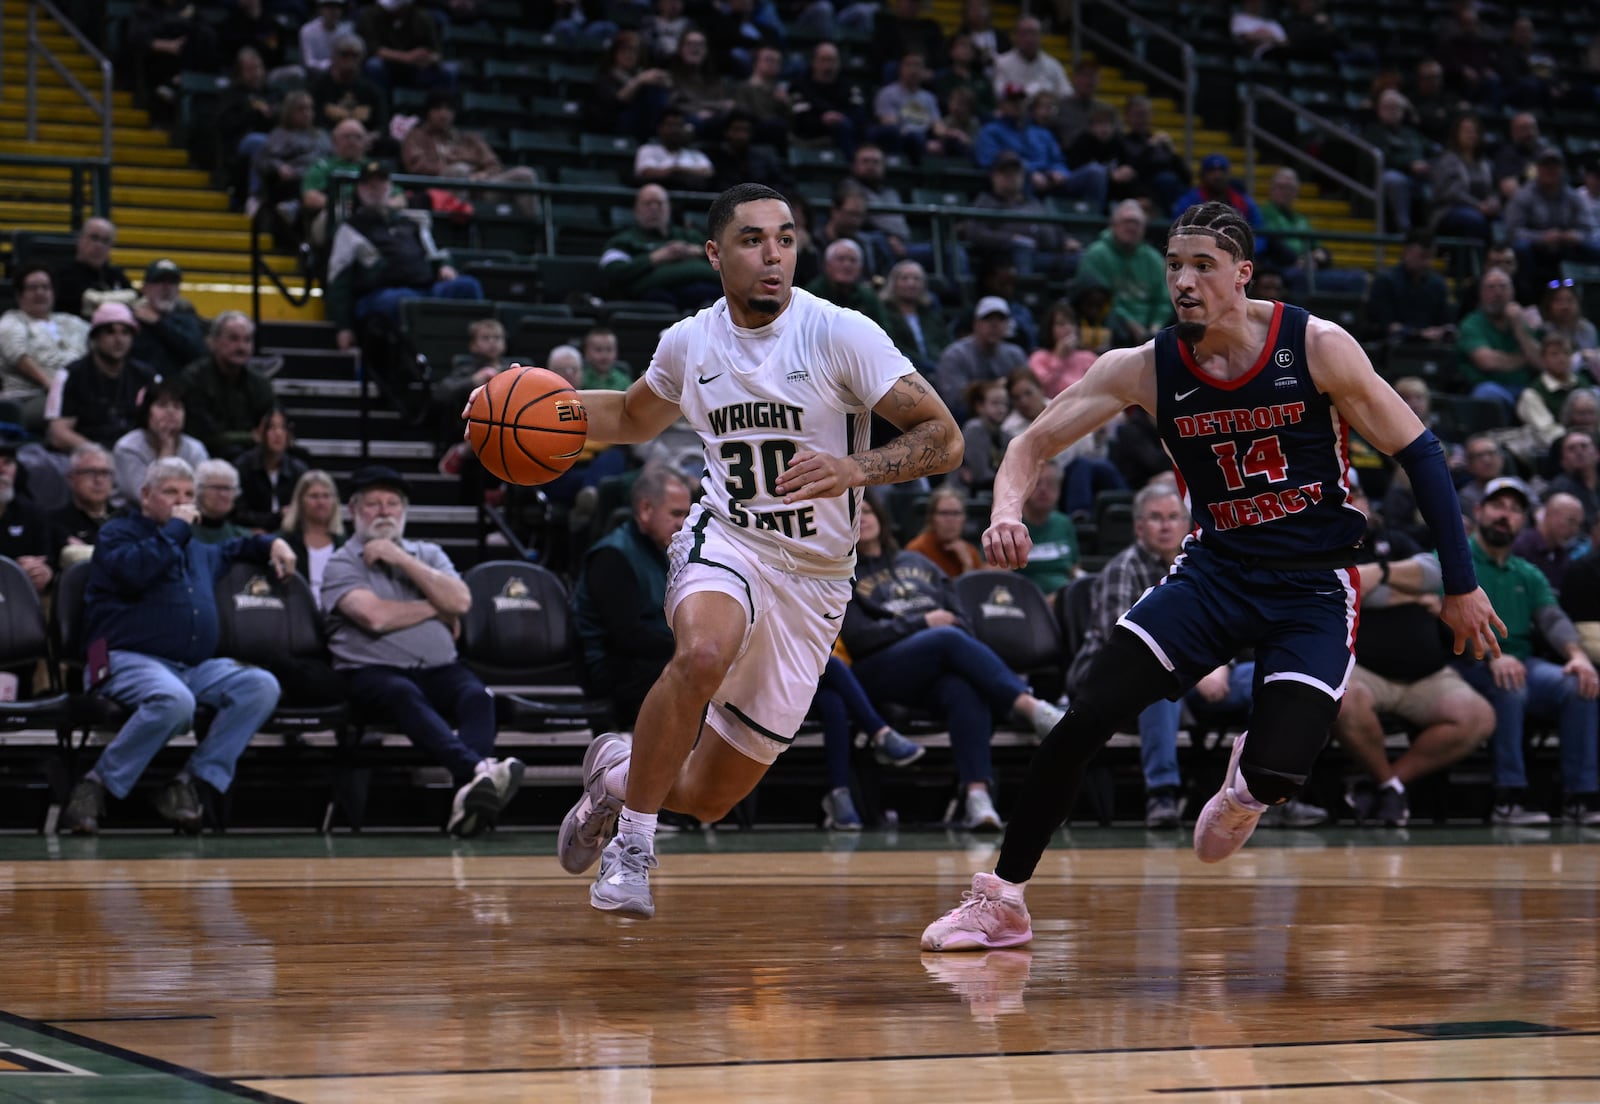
1123,679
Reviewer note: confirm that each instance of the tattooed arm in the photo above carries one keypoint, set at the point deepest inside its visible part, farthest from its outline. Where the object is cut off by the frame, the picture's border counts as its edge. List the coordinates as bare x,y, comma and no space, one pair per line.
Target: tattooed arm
929,444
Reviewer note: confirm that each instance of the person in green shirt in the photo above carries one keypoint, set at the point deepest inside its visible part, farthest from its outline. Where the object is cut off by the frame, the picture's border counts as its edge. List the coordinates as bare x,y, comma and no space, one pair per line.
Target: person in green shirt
841,285
1496,347
1121,260
1518,682
1293,246
1054,559
350,141
602,371
656,260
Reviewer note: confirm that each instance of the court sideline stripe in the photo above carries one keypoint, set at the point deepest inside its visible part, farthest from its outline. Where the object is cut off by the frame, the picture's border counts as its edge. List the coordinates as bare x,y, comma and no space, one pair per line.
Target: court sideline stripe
1280,1085
158,1065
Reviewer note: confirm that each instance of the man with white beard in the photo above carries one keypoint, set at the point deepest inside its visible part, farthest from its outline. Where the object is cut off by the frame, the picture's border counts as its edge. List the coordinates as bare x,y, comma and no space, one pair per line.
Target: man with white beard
394,607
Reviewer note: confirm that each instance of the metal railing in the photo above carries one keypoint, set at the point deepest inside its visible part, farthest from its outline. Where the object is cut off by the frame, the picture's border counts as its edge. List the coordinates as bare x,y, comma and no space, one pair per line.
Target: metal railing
37,50
88,186
1139,30
1251,94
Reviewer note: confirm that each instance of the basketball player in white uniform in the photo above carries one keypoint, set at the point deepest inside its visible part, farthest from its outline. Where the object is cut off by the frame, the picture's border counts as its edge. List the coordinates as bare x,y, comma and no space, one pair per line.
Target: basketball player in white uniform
780,385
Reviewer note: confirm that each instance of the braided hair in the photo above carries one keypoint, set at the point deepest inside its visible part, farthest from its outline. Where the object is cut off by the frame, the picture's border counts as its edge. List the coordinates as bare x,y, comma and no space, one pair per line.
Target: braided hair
1222,224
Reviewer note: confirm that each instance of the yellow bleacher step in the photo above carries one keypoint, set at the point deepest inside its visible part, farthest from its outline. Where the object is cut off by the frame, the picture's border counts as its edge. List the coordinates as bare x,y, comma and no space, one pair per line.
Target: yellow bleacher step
132,235
190,260
81,66
131,156
120,174
122,194
212,297
66,97
13,108
16,130
35,216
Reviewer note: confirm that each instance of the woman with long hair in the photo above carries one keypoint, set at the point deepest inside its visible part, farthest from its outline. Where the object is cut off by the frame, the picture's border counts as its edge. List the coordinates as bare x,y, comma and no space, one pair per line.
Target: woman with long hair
267,473
160,434
313,525
1465,202
941,540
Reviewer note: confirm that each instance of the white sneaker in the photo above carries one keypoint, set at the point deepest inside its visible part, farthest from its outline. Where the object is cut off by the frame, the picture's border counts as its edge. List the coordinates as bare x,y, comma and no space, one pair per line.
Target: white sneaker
589,823
507,776
981,816
623,883
1226,821
982,921
474,807
1045,718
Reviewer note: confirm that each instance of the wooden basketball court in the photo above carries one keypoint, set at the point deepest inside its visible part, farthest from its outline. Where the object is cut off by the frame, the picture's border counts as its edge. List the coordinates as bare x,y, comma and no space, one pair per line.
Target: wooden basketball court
784,967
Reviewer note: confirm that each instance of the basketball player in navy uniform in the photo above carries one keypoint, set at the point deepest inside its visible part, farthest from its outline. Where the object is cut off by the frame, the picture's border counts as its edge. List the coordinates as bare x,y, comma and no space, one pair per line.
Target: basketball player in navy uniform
1255,401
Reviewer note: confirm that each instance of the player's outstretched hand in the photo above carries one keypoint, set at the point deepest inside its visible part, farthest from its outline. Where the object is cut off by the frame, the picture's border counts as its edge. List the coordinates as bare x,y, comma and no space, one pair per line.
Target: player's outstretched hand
815,475
1474,622
467,409
1007,544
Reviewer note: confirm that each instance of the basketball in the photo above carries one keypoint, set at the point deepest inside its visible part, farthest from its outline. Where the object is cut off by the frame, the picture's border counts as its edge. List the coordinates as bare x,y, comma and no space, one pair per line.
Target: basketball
527,425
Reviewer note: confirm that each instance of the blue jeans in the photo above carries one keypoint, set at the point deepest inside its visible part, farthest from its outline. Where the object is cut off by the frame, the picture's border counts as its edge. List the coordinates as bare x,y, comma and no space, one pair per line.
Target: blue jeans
386,301
163,695
1086,477
1504,394
1158,724
1547,692
417,700
249,146
955,671
844,708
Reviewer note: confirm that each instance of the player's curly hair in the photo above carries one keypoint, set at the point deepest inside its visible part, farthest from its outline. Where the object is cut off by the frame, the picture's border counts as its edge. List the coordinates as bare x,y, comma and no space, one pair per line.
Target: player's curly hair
723,207
1222,224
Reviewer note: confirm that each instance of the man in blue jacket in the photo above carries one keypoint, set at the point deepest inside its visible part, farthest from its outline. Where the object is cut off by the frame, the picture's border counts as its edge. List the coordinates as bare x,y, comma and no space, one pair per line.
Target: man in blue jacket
151,626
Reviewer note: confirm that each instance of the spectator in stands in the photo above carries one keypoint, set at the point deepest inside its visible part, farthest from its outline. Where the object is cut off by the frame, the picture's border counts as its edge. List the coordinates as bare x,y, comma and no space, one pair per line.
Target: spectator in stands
736,29
977,26
663,28
1580,473
847,217
1097,143
216,493
1216,186
602,371
1136,450
294,145
37,342
1027,66
984,354
1136,274
96,398
697,86
828,104
887,236
1407,165
1073,111
913,319
735,160
1411,302
1561,312
1053,562
90,278
247,110
76,524
1520,683
25,536
1590,191
350,141
1514,159
941,537
436,147
1084,467
382,257
669,160
1042,159
1529,76
990,403
1465,199
1497,348
225,397
1435,109
1253,32
903,27
313,526
764,96
341,91
1032,244
268,473
1060,360
965,68
1402,669
1470,55
1540,404
843,709
908,118
1549,542
1300,258
161,40
317,37
841,281
621,588
158,436
1162,173
1485,462
627,93
404,40
657,260
394,607
1548,222
246,25
151,622
997,276
910,643
171,333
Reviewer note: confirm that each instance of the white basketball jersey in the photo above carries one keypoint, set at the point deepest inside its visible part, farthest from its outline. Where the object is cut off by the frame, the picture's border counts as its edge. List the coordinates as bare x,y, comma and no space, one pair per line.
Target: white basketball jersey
806,382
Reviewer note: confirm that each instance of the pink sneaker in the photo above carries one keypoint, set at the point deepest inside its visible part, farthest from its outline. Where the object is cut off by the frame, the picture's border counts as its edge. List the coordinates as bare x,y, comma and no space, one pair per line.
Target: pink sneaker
982,921
1226,821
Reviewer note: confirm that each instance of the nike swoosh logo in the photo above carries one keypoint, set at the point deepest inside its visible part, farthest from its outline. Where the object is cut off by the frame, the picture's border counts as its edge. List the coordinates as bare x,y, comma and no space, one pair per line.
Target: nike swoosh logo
832,616
708,379
1179,397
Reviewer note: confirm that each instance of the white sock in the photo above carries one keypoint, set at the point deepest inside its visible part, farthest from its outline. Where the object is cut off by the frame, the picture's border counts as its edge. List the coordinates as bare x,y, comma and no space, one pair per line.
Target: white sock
1394,784
638,826
1242,794
1011,891
617,780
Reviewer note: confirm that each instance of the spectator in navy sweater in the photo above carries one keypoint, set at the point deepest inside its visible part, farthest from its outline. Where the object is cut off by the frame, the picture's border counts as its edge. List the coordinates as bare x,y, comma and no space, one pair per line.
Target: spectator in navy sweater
151,626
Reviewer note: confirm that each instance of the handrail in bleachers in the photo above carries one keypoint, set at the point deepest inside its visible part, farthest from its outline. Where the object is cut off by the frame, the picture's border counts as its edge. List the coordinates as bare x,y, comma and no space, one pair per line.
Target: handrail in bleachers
1139,28
88,186
37,49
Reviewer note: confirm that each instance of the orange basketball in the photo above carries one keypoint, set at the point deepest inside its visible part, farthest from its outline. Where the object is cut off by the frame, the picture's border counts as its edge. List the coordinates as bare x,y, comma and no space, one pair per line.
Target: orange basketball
527,425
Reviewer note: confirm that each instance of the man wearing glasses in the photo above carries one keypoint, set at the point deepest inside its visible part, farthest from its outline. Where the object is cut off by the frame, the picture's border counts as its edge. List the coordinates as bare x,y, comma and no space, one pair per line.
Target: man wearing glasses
76,526
36,342
90,278
97,398
217,489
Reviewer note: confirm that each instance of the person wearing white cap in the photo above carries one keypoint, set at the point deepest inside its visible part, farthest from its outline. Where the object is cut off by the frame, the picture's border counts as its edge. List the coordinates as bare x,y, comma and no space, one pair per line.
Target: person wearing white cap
97,397
983,354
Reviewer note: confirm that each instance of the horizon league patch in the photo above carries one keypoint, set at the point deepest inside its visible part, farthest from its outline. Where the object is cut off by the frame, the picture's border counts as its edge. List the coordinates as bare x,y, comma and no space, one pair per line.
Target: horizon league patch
14,1060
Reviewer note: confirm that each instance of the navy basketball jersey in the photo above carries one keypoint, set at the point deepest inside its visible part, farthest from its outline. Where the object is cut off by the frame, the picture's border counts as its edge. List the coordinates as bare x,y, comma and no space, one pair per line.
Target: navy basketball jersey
1263,460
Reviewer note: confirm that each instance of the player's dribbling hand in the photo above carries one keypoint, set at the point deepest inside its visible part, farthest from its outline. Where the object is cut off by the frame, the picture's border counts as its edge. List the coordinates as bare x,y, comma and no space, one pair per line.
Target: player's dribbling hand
471,398
1475,624
814,475
1007,544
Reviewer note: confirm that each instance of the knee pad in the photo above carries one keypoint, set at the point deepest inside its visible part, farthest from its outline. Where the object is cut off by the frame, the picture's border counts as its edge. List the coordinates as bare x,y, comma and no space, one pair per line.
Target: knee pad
1288,728
1123,678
